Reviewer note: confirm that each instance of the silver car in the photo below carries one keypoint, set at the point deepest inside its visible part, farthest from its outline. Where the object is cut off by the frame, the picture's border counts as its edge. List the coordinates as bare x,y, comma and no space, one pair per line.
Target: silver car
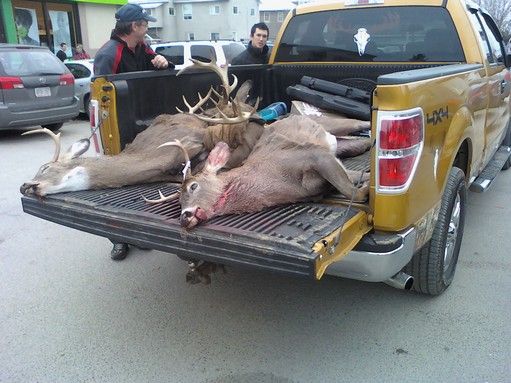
83,71
36,88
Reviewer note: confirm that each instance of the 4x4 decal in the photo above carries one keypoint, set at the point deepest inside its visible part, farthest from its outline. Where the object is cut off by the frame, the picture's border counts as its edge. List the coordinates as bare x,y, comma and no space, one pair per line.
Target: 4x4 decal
437,115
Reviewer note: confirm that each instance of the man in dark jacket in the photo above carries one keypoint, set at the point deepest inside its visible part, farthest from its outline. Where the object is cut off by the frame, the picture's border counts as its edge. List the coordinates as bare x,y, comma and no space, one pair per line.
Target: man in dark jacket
126,51
257,50
61,53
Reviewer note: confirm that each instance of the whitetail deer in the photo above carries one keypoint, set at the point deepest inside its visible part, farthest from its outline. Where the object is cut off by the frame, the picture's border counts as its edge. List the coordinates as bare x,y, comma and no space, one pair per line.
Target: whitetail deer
293,160
142,161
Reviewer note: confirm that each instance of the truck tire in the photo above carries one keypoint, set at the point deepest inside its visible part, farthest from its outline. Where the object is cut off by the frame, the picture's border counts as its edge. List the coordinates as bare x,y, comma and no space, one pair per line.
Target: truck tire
433,266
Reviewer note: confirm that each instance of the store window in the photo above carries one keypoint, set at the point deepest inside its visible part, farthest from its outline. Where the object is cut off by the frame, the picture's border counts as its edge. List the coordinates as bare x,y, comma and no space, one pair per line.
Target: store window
45,23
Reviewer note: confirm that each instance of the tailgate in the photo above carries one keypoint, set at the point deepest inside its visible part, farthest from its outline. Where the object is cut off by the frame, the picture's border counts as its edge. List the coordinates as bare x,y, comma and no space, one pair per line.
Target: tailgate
301,239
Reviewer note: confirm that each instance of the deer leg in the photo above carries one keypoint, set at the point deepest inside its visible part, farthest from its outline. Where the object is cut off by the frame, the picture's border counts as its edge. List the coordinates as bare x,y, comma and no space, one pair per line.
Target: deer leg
352,147
332,170
339,126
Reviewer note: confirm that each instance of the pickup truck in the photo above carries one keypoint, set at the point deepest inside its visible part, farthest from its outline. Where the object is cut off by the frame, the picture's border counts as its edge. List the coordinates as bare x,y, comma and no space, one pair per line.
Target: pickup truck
439,82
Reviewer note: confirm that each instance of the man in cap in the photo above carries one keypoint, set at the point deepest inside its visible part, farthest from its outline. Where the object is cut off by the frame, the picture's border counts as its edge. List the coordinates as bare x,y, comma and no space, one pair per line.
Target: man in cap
126,50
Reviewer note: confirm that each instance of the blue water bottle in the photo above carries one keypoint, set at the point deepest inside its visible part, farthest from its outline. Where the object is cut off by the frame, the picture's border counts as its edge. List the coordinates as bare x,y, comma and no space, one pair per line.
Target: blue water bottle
273,111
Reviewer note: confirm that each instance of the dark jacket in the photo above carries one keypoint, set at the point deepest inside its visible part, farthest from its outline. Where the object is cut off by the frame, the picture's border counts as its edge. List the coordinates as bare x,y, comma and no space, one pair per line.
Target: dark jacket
115,57
61,55
251,55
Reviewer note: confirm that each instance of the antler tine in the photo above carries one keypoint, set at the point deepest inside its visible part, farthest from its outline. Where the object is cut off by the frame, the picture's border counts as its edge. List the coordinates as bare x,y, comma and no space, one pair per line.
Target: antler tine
187,169
202,101
162,198
55,137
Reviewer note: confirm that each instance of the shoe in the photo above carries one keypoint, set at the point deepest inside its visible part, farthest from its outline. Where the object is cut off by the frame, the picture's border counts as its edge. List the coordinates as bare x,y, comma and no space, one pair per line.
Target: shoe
119,251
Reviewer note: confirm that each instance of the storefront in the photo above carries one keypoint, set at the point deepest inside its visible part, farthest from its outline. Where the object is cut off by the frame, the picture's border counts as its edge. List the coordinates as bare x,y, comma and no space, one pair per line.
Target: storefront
46,23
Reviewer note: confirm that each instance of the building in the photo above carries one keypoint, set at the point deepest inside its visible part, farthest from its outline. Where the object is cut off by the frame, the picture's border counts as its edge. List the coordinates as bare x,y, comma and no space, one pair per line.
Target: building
49,23
201,19
273,13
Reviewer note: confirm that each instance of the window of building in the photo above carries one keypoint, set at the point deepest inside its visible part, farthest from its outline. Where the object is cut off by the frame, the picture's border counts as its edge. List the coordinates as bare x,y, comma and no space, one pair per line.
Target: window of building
235,35
214,10
172,11
252,11
191,36
266,17
280,17
187,11
235,10
215,36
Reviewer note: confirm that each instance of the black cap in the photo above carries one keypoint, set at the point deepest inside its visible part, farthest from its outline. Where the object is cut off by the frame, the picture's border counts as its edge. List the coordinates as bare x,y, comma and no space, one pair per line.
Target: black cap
132,12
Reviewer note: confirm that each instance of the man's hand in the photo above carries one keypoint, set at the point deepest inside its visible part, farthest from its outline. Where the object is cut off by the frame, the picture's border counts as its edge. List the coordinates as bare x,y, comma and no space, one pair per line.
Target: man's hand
160,62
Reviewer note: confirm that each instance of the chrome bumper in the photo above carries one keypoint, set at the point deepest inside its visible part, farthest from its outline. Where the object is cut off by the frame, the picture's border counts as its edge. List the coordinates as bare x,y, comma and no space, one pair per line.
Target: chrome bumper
374,266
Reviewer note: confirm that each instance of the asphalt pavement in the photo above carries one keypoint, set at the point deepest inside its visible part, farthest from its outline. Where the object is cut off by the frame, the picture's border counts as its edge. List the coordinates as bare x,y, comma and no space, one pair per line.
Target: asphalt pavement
70,314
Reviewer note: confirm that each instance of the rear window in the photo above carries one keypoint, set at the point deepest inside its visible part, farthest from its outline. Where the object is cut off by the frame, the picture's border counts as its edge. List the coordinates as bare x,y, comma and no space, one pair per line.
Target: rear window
412,33
26,62
174,53
232,50
204,53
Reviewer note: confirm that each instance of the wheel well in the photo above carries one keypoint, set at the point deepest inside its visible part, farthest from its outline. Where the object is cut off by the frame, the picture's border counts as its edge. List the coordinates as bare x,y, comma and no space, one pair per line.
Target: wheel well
462,159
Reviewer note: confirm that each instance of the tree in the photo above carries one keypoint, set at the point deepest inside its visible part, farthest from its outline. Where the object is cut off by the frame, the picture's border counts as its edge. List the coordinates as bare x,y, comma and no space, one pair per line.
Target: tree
500,10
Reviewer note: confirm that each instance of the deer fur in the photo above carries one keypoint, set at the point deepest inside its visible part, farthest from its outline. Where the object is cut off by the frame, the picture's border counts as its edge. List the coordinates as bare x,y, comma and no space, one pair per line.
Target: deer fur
293,160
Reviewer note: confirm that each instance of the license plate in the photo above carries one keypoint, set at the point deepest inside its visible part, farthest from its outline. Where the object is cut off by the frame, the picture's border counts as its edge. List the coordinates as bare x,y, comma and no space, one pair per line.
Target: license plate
42,92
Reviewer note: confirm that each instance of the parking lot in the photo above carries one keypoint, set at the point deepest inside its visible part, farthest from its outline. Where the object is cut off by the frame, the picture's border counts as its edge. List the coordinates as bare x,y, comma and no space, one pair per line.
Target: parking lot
70,314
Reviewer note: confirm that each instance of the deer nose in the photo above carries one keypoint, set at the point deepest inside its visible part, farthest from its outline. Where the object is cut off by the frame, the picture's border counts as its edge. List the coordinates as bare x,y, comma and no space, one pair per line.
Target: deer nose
28,188
185,218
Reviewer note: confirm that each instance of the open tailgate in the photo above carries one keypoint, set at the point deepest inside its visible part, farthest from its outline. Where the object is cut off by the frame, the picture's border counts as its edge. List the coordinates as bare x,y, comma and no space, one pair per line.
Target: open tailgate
299,239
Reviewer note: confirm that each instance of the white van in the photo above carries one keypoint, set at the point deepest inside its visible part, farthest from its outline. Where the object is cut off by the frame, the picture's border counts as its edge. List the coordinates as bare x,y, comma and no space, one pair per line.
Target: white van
180,52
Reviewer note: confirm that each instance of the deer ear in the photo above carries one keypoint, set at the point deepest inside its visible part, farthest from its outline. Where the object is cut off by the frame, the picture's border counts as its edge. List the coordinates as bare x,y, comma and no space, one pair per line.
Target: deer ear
244,91
218,157
76,150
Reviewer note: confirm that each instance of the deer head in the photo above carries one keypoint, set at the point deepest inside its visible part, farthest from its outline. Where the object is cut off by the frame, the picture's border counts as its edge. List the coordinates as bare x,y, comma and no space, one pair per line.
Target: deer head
61,173
201,195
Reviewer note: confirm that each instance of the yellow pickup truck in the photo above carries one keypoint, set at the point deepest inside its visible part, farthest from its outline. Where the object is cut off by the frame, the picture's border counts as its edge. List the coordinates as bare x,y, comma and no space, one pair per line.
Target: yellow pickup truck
438,81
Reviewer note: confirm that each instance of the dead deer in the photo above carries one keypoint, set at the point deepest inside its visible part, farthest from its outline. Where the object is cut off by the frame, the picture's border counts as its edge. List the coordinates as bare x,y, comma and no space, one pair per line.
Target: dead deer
142,161
293,160
139,162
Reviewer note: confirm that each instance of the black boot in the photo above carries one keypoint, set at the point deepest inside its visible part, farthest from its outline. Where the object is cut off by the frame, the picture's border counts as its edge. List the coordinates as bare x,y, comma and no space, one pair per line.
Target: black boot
119,251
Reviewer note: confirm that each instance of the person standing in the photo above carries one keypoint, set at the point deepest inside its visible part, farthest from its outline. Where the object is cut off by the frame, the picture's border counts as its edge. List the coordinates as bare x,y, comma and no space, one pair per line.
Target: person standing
80,53
61,53
257,50
126,51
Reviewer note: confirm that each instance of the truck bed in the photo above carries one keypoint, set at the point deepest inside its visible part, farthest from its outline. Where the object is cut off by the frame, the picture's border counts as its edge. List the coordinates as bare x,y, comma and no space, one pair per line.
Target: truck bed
277,239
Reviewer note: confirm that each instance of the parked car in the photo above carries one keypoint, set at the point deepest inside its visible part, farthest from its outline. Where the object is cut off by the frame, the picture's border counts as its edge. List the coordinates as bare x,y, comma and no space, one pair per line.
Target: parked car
222,51
83,71
36,88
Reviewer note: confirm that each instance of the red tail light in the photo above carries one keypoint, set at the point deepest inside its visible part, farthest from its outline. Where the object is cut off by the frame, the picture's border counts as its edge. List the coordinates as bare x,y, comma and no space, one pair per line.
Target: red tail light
67,79
400,139
11,83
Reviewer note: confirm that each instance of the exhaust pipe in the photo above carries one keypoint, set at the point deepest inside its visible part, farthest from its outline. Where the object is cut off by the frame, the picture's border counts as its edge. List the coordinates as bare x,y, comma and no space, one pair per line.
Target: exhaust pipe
401,281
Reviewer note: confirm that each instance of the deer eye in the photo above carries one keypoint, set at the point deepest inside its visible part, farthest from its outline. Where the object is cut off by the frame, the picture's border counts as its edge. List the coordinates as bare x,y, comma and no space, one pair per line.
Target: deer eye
44,168
193,186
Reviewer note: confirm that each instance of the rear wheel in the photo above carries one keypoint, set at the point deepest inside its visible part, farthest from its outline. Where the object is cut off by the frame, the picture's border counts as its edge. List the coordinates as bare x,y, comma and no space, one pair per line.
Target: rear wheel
433,267
53,127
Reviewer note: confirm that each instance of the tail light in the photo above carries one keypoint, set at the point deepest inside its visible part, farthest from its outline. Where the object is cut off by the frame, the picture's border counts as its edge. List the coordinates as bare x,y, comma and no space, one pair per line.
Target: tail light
400,138
67,79
11,83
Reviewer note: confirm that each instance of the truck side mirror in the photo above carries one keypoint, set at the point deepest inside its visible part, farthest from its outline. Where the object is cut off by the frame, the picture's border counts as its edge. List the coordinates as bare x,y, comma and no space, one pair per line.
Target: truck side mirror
507,60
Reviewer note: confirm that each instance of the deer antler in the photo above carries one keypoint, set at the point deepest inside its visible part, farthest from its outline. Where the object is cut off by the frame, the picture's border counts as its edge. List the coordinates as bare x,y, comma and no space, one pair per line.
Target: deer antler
192,109
55,137
187,169
240,116
222,72
162,198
